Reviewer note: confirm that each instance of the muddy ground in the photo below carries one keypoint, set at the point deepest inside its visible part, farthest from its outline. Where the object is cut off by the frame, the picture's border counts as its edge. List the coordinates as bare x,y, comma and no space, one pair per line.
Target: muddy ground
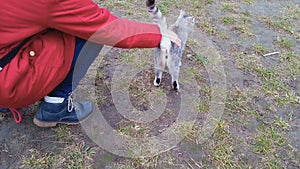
226,63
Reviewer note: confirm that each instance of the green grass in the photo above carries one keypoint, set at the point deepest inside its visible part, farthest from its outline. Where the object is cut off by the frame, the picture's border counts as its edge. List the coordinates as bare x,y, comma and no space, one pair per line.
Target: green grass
228,20
165,160
246,13
236,102
259,48
272,163
238,107
284,23
221,148
243,29
274,86
249,1
36,160
272,78
284,42
288,56
188,130
127,57
209,27
63,133
74,156
164,7
78,156
223,35
201,59
229,7
129,128
238,22
270,142
265,73
198,4
268,139
280,123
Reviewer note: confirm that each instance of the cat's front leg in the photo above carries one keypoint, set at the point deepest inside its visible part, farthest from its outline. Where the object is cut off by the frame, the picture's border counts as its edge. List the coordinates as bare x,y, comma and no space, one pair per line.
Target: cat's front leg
175,84
174,71
174,64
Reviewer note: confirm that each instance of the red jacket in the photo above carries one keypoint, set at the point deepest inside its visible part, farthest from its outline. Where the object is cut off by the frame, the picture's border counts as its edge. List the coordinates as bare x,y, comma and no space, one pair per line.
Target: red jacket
26,79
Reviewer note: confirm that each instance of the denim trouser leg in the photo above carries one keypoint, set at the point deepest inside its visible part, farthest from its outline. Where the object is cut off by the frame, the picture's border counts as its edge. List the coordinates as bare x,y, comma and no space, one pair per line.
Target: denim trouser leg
83,58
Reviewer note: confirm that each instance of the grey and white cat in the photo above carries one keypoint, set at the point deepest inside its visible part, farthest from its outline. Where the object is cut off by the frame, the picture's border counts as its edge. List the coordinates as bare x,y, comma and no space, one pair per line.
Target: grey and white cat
172,59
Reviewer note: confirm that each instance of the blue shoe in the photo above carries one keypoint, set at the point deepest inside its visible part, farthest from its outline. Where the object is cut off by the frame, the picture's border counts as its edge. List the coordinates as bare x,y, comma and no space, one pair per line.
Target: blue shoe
4,111
67,112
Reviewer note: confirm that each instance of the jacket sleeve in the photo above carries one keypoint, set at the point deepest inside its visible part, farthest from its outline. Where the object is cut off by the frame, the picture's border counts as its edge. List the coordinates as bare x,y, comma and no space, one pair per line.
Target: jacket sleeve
84,19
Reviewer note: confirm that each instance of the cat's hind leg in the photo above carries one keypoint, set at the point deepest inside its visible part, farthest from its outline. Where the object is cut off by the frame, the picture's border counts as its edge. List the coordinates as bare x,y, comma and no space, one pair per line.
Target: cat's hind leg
175,83
159,65
158,76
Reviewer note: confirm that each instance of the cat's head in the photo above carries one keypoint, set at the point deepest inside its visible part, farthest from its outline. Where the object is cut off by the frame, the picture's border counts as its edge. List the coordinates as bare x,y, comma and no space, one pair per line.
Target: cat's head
185,21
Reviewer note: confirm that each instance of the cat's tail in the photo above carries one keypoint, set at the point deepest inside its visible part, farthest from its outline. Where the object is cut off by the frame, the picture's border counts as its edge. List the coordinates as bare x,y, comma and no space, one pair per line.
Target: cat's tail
156,14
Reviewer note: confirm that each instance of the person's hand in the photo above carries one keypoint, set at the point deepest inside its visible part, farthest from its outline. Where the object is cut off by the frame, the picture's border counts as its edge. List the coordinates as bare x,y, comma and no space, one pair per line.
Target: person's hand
168,37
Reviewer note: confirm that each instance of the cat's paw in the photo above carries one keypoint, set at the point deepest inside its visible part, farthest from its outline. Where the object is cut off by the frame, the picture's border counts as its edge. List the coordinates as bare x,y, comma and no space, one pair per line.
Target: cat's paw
175,85
156,82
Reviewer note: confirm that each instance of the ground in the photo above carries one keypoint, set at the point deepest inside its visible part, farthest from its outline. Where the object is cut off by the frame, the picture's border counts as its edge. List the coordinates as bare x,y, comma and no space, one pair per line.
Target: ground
251,96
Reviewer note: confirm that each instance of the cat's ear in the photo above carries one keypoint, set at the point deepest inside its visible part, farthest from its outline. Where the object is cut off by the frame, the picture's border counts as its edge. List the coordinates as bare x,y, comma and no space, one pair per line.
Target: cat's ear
182,13
191,20
180,17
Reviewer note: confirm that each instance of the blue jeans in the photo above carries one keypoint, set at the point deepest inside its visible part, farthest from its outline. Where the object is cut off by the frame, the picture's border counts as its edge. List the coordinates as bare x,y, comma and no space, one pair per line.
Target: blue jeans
83,58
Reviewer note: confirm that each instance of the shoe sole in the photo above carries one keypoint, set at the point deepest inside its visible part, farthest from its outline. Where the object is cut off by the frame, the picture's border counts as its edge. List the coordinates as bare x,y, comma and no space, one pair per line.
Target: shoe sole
52,124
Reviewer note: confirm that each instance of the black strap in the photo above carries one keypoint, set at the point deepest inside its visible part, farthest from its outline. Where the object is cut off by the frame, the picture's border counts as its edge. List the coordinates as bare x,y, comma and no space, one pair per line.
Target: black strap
11,54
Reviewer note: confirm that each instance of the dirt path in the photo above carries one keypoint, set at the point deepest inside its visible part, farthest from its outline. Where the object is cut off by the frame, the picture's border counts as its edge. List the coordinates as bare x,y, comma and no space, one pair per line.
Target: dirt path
225,64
